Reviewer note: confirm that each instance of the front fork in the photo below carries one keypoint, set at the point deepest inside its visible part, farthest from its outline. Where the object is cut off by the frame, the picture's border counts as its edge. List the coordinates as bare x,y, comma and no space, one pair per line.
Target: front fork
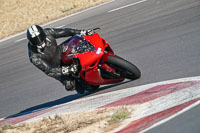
106,55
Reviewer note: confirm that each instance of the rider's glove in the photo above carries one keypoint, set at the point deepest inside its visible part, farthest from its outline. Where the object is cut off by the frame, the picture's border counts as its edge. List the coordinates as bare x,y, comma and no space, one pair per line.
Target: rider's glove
87,32
73,69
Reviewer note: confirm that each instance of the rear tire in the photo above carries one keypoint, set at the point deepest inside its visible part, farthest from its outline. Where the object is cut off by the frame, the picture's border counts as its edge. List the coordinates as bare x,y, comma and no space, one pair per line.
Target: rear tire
124,68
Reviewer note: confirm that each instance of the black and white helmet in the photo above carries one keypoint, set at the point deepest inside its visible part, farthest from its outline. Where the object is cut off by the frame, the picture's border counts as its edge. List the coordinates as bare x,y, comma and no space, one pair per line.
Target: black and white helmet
36,36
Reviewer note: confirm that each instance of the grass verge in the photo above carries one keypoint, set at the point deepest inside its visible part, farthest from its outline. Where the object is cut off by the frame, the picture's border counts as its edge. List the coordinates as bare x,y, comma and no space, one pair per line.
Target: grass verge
100,120
18,15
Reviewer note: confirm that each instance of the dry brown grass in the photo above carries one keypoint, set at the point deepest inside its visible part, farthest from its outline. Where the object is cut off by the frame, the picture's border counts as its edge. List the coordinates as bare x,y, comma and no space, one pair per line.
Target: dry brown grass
18,15
100,121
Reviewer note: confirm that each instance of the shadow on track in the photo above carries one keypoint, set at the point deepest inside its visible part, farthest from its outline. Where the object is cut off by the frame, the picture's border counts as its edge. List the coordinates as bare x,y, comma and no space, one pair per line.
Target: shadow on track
61,101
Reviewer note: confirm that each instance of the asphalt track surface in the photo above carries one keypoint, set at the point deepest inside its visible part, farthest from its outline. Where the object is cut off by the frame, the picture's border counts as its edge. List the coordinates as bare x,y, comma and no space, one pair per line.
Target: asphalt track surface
161,37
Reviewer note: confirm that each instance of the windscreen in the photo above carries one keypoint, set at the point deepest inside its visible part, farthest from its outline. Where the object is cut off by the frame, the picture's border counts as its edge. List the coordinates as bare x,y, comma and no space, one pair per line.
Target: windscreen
77,45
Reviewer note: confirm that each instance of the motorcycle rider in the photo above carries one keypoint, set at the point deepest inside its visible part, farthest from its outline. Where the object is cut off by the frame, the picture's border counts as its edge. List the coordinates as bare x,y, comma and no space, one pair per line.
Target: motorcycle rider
46,55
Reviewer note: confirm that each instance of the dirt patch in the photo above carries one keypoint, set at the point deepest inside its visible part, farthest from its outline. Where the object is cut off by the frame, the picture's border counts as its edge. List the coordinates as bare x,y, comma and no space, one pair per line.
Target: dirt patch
100,120
18,15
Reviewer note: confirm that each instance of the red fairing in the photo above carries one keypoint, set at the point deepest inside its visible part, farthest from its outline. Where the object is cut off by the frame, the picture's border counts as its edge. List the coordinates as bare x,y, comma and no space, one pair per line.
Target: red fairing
95,40
93,77
65,58
91,61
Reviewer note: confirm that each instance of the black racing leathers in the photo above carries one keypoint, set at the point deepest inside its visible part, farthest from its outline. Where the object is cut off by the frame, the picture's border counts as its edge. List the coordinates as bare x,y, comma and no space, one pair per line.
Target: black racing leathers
50,57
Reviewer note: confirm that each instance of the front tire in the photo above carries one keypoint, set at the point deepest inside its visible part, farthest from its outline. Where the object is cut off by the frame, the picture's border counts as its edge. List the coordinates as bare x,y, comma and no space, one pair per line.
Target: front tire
124,68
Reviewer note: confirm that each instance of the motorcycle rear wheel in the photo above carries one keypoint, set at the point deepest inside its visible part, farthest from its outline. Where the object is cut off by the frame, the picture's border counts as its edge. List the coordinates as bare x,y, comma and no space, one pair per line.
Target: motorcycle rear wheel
124,67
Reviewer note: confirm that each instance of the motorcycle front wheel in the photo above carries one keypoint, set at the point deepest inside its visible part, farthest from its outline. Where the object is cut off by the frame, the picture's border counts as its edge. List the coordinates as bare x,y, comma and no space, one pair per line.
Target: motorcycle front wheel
124,67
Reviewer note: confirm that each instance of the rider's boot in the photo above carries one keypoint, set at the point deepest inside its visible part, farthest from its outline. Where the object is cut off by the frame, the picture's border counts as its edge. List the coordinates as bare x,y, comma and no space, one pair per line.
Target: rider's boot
72,84
69,84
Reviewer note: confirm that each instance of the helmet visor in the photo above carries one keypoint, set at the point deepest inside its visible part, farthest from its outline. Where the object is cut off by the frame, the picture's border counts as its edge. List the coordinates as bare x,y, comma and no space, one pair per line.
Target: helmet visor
39,42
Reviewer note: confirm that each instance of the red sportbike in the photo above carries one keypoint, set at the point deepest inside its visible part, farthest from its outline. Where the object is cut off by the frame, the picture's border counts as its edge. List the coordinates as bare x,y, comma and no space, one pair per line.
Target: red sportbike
99,64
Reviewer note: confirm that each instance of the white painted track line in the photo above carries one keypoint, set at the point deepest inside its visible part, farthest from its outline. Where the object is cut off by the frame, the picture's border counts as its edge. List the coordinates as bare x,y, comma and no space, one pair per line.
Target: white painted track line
173,116
127,6
21,39
60,26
